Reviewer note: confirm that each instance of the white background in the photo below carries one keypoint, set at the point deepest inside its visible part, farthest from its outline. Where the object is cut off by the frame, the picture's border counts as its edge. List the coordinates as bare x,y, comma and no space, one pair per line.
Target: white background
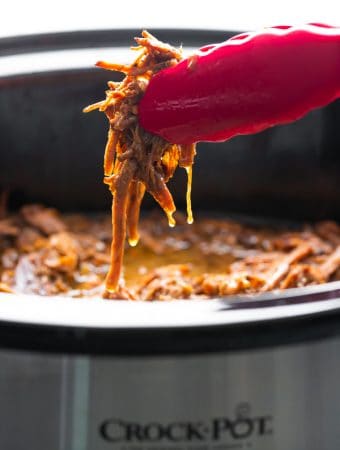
35,16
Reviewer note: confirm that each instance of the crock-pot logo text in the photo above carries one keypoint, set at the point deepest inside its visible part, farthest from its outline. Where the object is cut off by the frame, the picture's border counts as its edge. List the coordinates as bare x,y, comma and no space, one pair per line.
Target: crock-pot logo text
242,426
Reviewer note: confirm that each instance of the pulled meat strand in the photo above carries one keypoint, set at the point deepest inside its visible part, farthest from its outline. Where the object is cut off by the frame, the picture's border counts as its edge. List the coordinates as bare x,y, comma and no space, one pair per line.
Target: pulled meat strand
300,275
46,220
282,268
167,283
7,228
110,150
136,161
331,265
119,209
136,194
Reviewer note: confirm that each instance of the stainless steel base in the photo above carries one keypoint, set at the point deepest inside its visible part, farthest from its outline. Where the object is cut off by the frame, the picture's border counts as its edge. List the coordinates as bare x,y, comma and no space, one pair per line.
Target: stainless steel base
285,398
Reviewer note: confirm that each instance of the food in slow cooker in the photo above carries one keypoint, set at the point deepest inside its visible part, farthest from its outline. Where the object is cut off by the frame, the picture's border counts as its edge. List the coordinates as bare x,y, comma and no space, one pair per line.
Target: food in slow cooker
136,161
166,104
44,252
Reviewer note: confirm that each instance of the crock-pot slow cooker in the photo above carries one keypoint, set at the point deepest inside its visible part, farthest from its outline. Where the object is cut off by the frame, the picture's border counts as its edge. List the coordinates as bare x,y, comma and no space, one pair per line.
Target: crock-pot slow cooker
233,373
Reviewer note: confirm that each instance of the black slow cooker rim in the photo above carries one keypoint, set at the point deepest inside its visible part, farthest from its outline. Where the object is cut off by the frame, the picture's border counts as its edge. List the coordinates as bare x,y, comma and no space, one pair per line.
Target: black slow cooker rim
93,38
68,340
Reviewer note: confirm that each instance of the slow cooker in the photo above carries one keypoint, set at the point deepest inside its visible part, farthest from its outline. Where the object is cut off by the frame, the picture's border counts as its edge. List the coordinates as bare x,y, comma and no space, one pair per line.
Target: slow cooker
220,374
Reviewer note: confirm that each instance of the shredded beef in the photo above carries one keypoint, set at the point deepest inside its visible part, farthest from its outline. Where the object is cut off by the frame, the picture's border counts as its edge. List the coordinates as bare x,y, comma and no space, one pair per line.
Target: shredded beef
211,258
166,283
46,220
136,161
